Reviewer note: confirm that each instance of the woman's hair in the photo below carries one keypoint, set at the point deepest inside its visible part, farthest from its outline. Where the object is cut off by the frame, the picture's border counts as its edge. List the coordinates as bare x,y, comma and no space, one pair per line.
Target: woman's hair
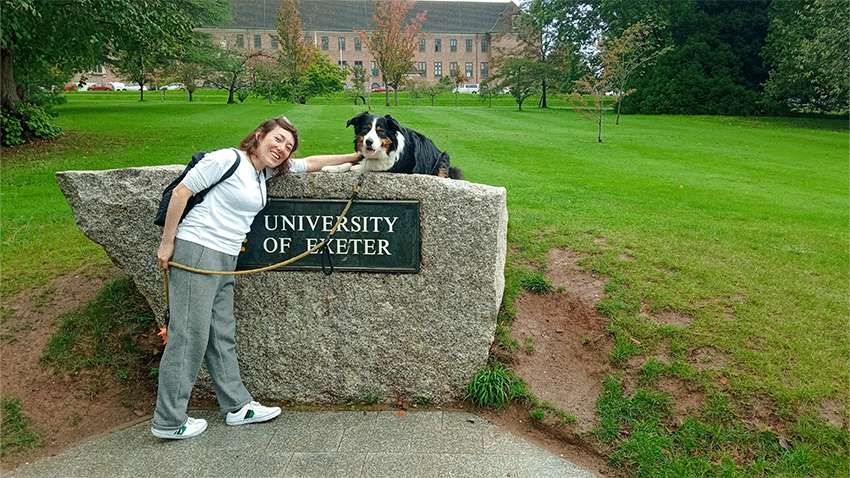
250,142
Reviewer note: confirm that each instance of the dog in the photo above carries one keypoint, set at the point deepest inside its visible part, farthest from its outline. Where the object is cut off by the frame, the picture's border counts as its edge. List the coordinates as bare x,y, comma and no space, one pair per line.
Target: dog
385,145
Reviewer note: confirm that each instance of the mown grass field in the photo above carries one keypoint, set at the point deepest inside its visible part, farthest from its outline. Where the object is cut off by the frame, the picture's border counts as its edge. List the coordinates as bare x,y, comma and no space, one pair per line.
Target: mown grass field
739,223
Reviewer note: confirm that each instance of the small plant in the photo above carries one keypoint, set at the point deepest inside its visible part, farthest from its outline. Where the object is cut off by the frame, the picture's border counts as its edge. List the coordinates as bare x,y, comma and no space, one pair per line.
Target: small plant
537,283
423,401
123,374
537,414
494,387
154,372
76,418
371,399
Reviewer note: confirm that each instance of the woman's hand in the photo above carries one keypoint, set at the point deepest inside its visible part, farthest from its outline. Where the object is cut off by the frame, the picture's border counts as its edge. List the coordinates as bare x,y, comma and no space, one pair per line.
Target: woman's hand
164,254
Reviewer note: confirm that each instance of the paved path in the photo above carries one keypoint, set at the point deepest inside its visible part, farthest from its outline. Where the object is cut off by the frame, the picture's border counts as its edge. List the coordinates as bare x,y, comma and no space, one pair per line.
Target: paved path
347,444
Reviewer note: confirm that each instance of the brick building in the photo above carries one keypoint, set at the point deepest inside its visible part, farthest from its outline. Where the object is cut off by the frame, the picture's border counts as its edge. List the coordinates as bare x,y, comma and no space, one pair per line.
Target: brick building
460,35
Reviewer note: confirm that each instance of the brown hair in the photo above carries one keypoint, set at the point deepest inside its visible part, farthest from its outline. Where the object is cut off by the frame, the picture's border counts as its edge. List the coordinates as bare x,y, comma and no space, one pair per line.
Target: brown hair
250,142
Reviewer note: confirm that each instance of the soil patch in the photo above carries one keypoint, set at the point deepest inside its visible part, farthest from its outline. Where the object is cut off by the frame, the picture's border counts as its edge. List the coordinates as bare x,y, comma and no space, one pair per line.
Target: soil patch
64,410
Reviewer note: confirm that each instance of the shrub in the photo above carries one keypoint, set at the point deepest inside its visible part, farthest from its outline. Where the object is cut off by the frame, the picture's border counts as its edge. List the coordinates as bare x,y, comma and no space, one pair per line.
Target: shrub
494,387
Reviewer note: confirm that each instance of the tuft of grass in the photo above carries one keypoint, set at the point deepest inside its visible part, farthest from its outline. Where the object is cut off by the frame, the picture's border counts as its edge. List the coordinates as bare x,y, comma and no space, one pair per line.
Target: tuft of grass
100,334
495,386
18,435
536,282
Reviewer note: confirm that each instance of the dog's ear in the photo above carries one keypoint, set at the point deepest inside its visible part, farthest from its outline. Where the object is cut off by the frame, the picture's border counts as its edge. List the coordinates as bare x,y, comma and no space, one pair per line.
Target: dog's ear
392,124
356,120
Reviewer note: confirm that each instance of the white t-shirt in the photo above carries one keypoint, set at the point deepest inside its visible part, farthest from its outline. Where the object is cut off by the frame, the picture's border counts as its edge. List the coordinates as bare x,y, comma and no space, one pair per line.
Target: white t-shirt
222,220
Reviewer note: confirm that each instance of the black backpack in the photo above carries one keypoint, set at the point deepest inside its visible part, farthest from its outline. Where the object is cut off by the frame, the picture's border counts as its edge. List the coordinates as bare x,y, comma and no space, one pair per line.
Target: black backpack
198,197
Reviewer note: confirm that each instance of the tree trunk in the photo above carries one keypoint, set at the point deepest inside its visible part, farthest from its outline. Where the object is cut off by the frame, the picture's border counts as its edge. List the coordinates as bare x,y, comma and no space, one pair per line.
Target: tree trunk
9,88
543,98
619,102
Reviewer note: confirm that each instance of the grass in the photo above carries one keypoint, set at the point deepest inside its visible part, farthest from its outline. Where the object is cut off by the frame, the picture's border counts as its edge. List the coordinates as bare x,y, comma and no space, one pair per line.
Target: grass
100,334
740,223
18,436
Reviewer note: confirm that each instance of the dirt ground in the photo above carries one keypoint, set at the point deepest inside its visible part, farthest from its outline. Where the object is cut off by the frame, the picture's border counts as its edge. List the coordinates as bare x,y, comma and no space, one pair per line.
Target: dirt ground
563,354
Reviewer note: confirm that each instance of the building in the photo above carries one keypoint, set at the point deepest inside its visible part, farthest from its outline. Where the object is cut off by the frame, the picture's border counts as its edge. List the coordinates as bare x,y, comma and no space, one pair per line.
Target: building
460,35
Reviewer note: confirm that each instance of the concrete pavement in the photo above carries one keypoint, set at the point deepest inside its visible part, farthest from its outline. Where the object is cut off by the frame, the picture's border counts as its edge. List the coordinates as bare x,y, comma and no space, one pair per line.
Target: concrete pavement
340,444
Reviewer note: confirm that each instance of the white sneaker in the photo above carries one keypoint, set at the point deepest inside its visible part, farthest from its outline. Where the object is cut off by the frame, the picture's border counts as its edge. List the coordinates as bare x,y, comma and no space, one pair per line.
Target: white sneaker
193,426
252,413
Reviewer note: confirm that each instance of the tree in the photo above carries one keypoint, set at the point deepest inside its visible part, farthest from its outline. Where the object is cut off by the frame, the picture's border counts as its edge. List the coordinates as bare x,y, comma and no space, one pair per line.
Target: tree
46,42
807,54
457,78
264,76
546,35
230,66
623,55
391,42
296,52
594,85
520,76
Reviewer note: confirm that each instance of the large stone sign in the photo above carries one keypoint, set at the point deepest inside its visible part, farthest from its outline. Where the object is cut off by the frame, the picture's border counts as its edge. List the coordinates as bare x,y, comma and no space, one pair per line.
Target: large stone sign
309,337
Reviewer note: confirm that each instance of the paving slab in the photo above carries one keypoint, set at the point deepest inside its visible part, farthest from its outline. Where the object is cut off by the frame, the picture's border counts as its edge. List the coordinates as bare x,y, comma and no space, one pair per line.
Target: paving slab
345,444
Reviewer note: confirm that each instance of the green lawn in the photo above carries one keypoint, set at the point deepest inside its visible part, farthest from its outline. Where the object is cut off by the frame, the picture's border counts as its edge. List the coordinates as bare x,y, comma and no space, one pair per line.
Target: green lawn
740,223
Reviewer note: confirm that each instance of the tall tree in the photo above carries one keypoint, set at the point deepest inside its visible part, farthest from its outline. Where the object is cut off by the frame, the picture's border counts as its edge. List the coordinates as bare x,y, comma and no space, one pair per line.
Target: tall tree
392,42
296,52
808,54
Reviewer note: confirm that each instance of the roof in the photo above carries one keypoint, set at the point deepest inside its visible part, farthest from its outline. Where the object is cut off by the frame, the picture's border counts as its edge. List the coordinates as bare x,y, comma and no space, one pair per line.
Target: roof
348,15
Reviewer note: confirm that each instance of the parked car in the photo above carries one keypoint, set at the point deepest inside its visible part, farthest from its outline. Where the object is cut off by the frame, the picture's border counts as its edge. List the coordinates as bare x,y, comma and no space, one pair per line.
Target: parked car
118,86
381,89
101,87
134,87
174,86
467,88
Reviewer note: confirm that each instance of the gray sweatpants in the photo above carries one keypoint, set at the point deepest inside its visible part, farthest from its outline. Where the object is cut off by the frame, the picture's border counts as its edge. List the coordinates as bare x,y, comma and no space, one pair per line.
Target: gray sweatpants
201,327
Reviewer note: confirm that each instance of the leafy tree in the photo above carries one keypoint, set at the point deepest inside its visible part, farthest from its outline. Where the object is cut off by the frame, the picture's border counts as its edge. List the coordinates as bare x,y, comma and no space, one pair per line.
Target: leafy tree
46,42
358,81
714,65
231,66
520,76
296,52
392,42
264,76
442,86
807,53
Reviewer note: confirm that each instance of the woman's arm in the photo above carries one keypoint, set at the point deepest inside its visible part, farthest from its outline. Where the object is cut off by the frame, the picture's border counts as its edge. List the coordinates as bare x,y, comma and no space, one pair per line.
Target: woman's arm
179,197
317,162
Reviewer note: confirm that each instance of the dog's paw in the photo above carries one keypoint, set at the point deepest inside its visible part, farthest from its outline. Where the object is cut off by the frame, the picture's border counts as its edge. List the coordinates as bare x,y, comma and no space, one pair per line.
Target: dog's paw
357,168
339,168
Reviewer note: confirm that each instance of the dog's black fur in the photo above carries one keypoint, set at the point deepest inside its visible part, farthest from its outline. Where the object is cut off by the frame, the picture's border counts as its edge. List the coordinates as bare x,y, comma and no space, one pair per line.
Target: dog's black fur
388,146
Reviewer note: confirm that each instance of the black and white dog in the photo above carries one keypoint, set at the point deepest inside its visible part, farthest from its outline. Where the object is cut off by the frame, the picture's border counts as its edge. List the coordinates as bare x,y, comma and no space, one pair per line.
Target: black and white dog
385,145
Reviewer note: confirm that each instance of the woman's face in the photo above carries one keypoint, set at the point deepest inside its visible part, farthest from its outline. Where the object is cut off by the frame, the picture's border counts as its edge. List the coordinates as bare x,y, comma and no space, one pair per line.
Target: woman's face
275,148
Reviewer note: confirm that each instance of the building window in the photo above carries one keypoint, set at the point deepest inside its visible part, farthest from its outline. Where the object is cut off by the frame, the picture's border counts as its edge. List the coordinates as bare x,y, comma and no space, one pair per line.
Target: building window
452,68
438,70
98,70
357,45
325,43
423,69
469,70
485,70
341,43
438,45
453,45
240,41
483,45
343,65
421,45
258,42
469,45
374,68
275,45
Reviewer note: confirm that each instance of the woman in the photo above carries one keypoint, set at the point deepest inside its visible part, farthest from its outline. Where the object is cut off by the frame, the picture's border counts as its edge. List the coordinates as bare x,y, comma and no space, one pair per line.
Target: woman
202,325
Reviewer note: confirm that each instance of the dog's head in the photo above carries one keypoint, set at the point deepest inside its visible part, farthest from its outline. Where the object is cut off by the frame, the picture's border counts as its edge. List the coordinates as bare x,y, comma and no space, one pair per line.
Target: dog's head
375,137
